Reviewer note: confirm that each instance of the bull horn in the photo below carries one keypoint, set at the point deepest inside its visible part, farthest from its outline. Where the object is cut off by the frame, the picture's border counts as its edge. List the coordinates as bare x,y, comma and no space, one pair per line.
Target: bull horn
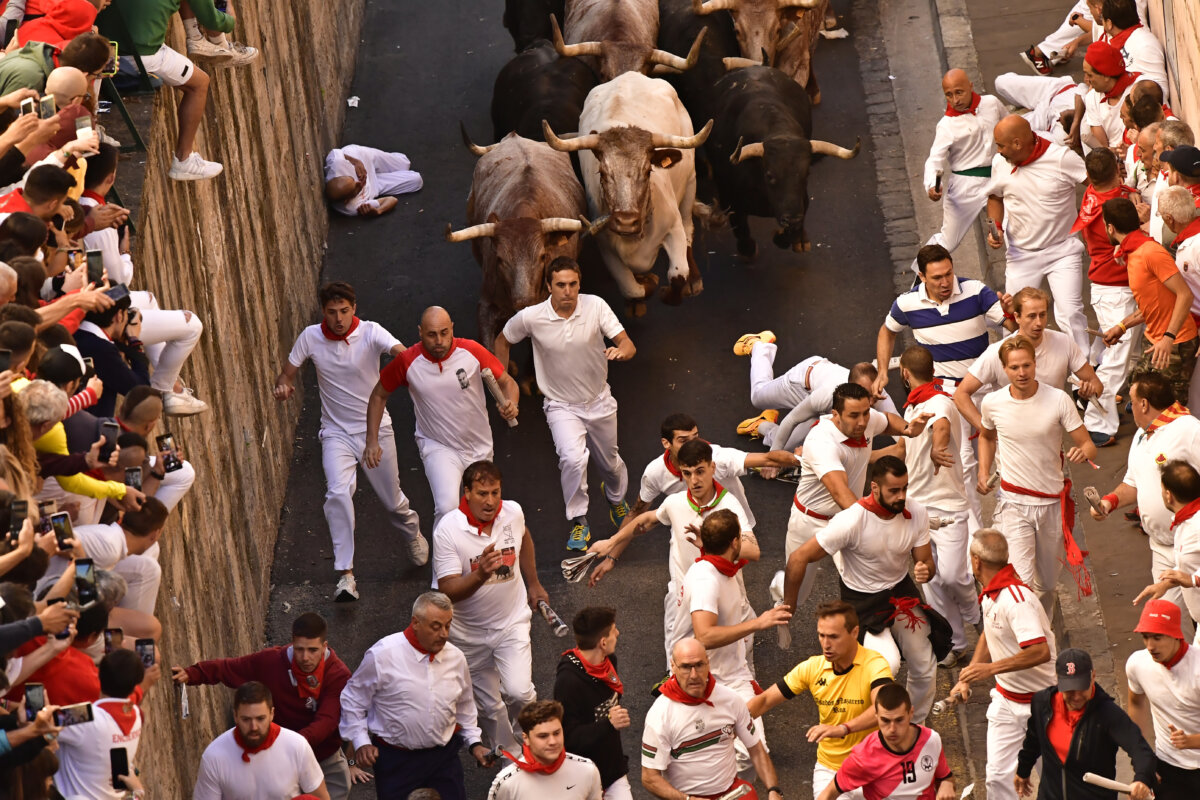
741,153
737,62
561,225
797,3
474,148
592,228
789,36
701,7
681,142
828,149
473,232
569,145
569,50
671,60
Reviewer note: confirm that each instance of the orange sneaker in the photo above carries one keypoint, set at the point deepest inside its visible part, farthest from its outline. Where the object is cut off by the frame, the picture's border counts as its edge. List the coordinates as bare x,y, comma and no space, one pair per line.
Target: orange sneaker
749,427
745,343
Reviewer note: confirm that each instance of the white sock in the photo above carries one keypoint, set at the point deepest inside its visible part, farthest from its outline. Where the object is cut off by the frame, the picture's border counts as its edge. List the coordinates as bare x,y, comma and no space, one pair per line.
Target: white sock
191,27
217,38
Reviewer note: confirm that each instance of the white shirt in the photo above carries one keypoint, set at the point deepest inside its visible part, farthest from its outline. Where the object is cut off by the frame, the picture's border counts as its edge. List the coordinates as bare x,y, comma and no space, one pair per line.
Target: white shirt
1178,440
568,354
677,513
1057,357
1174,696
1013,618
1039,198
118,265
1187,560
457,545
285,769
1030,439
84,767
576,779
1187,258
964,141
408,700
104,544
945,489
1099,113
825,451
729,465
347,372
706,589
875,552
693,744
1159,231
1144,53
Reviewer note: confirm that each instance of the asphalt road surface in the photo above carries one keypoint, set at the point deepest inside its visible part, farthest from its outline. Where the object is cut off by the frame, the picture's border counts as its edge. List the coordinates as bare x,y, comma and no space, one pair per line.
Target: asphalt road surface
422,68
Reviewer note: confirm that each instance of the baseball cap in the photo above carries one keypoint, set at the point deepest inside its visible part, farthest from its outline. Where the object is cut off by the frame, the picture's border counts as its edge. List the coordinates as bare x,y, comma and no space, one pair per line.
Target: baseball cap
1105,59
1161,617
1185,160
1074,668
61,365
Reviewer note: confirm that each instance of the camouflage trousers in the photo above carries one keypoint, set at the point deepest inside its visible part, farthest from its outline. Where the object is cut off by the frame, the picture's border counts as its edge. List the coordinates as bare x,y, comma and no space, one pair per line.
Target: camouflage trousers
1179,369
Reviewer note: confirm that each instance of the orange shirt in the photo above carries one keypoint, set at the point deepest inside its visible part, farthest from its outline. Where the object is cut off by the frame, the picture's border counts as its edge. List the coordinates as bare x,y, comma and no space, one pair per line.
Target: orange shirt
1150,266
1062,727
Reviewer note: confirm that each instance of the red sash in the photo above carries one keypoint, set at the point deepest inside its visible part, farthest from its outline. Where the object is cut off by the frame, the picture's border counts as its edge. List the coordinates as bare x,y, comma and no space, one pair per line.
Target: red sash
1075,556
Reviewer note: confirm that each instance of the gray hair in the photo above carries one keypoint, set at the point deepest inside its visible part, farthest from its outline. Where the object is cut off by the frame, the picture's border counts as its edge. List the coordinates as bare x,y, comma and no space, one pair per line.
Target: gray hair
110,588
1179,203
8,278
1175,133
43,402
435,599
990,547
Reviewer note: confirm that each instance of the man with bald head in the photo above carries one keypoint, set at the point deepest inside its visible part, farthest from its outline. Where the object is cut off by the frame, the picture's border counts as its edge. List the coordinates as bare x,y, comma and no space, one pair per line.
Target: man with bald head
1031,203
362,180
443,374
346,352
960,160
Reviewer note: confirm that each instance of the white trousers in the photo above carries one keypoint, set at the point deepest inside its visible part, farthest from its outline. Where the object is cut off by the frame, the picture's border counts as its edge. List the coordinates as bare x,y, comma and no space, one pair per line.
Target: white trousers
801,527
392,172
444,467
581,430
1035,544
1111,304
1066,33
169,338
952,590
767,391
969,456
501,665
142,576
918,652
1060,265
823,776
1162,558
1007,723
175,485
340,454
963,197
619,789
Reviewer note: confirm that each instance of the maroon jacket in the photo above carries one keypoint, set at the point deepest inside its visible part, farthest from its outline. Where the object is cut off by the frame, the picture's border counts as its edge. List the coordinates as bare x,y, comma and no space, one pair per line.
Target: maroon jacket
271,667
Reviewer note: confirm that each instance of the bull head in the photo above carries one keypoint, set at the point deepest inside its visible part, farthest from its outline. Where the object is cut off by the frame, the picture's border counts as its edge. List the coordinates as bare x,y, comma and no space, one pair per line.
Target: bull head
757,22
514,253
488,229
619,57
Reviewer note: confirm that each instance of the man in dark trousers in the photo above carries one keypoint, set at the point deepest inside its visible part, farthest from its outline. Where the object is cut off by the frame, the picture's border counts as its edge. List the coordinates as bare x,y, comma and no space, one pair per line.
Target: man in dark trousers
590,691
1076,728
306,681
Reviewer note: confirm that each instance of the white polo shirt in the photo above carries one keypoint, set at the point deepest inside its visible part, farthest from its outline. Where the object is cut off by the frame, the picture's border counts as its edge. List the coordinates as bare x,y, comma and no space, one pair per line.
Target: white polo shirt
1187,258
706,589
1057,356
457,545
346,372
693,744
945,489
1013,618
285,769
1177,440
576,779
678,512
825,451
84,766
1174,695
1187,560
1098,113
447,395
568,354
1030,439
1144,53
729,465
964,141
875,552
1039,198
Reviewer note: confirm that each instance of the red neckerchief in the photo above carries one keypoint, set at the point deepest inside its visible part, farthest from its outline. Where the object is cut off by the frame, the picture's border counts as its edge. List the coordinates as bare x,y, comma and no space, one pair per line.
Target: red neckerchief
13,202
1195,190
1185,513
1124,82
1132,241
1066,505
1065,716
123,712
1006,577
1118,41
1040,146
1176,411
604,672
272,735
871,504
724,565
671,468
1093,204
975,98
333,337
411,635
1188,232
924,392
99,198
673,691
438,361
1179,654
531,764
860,441
308,684
474,523
718,493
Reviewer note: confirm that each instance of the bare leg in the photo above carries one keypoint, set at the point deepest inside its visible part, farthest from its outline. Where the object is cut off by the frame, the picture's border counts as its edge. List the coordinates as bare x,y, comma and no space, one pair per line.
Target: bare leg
191,111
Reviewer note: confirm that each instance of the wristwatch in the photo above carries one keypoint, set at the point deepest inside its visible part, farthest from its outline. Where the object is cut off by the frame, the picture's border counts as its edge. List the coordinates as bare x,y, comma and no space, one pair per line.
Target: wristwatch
351,762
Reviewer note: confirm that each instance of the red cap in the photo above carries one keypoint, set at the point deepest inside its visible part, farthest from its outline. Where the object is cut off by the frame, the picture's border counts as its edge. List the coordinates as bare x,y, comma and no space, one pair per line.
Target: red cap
1105,59
1161,617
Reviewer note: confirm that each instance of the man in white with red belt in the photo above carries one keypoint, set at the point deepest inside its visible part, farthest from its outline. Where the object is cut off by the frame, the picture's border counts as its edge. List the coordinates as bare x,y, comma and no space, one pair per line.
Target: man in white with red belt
1031,200
688,741
483,560
1025,422
1017,648
442,373
568,331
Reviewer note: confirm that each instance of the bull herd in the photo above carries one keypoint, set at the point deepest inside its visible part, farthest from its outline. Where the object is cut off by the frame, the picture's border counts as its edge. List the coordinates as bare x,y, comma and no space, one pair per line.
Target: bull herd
738,102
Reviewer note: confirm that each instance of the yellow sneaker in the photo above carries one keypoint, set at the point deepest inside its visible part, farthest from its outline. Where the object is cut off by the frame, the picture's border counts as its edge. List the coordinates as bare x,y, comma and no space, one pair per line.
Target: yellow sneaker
749,427
745,342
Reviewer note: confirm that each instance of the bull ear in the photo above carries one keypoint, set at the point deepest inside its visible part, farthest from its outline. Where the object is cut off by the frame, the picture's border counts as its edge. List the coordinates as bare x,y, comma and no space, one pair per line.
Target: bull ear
665,157
493,218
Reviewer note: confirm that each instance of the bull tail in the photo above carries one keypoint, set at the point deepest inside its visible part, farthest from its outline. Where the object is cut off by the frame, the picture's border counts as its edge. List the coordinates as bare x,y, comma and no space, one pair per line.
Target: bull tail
710,216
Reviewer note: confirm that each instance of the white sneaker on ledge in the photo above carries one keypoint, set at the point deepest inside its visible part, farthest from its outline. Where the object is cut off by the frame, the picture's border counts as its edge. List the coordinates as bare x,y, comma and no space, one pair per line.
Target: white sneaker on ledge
201,47
182,404
193,168
418,550
241,54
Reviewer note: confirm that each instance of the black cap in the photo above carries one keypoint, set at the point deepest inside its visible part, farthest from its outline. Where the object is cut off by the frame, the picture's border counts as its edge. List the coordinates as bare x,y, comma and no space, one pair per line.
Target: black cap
1074,668
1185,159
60,365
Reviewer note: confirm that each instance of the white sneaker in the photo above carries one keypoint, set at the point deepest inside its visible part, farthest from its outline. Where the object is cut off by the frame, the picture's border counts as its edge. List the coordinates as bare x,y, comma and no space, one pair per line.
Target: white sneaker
193,168
182,404
418,551
201,47
347,589
241,54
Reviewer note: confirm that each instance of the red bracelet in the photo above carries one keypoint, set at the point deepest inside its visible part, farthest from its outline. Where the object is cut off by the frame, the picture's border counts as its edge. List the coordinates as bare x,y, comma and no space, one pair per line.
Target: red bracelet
1113,501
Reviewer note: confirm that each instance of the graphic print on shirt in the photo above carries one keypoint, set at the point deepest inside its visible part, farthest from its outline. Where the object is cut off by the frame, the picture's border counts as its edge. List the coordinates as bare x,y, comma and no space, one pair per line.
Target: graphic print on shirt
507,546
702,741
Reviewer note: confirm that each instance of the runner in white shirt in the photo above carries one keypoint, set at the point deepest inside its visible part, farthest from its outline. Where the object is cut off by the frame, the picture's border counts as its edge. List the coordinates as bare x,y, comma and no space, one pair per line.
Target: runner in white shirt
1050,100
1108,86
1017,648
1024,423
257,759
442,373
568,332
873,542
1032,200
483,560
943,492
545,769
346,352
688,741
1125,29
1181,493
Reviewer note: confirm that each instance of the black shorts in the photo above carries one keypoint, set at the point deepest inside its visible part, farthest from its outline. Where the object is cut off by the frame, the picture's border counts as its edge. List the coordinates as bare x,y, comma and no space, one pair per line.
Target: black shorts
1177,783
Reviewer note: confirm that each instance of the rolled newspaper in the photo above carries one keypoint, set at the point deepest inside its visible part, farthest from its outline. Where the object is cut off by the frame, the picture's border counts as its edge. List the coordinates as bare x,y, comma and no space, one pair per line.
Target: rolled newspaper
992,481
574,569
740,791
1106,783
938,522
489,380
556,624
1093,498
942,706
782,632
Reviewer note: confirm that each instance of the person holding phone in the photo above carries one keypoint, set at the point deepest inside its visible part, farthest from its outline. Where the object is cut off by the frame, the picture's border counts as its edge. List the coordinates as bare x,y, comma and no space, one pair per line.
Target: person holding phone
168,480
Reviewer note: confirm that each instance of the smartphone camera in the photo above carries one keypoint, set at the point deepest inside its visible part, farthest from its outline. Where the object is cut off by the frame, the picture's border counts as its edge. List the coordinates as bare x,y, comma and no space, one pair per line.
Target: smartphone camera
166,445
18,510
47,108
113,638
46,508
35,700
60,523
85,582
145,651
95,263
133,477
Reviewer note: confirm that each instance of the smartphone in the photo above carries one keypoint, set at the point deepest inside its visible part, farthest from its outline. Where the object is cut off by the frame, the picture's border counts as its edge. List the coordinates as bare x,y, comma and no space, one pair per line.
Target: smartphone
28,106
35,700
133,477
114,638
85,581
5,359
118,759
118,293
60,523
95,265
145,651
18,510
114,61
83,126
73,715
166,444
66,632
45,509
47,108
111,431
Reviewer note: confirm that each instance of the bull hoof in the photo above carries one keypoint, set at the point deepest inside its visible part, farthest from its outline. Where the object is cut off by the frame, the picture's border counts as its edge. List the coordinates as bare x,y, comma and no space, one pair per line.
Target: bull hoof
673,295
635,309
693,288
648,281
802,247
748,250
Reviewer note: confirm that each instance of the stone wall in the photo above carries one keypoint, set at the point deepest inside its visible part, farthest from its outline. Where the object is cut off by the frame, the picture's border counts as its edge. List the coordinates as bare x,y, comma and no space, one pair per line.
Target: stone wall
243,251
1177,25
